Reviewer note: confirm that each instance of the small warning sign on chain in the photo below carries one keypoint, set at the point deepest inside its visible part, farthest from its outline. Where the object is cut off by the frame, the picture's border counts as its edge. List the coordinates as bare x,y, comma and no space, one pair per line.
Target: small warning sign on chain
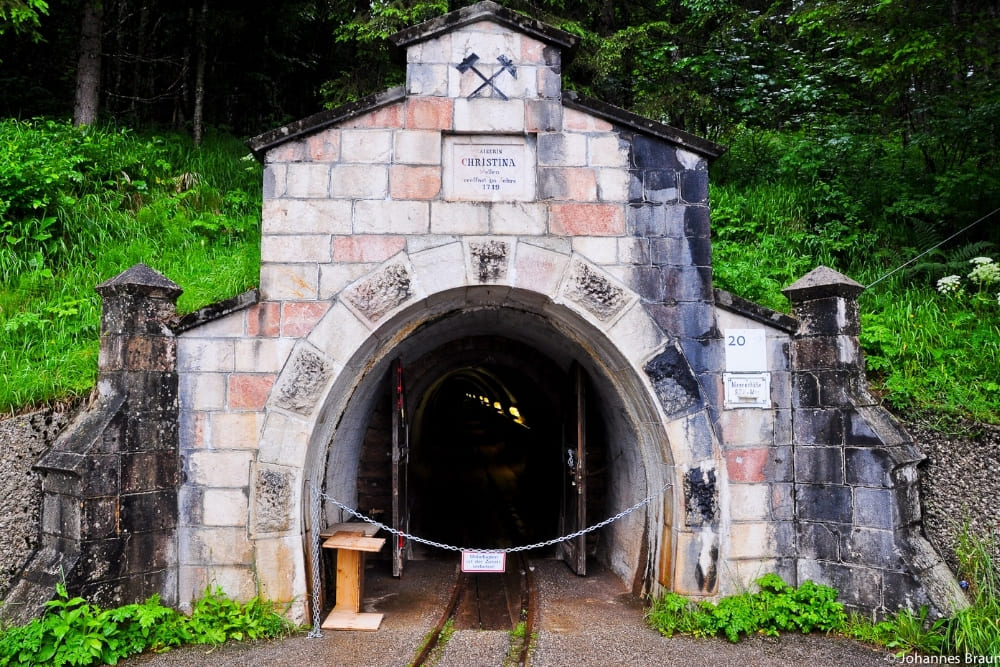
484,561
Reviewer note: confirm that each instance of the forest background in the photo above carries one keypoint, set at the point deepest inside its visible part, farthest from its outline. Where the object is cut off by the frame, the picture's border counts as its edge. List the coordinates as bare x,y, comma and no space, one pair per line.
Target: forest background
862,135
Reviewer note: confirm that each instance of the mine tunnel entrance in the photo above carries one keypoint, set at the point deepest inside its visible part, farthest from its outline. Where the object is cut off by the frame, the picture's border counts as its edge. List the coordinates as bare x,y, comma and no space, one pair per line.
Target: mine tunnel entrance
489,428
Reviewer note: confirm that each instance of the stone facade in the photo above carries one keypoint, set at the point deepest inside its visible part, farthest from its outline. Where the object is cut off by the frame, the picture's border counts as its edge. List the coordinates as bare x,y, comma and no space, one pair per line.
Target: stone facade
482,208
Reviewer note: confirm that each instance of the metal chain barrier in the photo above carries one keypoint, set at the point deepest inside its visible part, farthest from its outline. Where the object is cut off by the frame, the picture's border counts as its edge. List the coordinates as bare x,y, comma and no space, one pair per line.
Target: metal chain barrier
317,495
314,511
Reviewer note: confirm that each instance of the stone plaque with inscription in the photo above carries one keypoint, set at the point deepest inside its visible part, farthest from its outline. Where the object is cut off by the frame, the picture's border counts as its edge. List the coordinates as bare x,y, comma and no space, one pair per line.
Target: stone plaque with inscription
489,168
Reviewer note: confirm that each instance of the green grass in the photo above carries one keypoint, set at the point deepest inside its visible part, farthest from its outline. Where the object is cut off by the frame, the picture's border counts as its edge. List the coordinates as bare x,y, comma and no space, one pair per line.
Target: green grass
193,214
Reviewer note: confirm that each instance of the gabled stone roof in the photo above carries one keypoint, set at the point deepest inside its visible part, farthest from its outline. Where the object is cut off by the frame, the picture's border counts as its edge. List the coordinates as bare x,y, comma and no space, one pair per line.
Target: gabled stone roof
484,11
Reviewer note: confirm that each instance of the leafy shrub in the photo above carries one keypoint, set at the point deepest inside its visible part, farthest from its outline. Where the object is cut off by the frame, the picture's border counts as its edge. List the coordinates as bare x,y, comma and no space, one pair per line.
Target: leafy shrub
774,608
74,632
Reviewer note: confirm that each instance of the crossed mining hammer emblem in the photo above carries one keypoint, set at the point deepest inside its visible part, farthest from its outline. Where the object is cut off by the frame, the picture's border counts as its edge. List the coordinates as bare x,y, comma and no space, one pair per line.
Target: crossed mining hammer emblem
506,65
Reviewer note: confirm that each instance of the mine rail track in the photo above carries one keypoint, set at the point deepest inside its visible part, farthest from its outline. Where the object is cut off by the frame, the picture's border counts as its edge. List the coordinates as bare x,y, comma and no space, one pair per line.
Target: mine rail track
480,601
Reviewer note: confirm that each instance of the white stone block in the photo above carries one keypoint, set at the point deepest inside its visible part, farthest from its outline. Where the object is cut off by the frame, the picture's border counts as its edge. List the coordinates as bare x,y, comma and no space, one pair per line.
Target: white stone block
305,180
391,217
439,269
607,150
205,546
489,115
459,218
427,79
306,216
538,269
437,50
519,219
636,334
234,430
355,181
749,502
751,540
280,568
365,146
280,282
340,333
226,507
202,391
205,354
417,147
285,440
567,149
296,248
219,469
485,43
262,355
335,277
597,249
612,185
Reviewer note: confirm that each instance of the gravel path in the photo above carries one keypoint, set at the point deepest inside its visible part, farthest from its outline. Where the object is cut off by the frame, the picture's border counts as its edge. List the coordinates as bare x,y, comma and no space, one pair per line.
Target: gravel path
583,622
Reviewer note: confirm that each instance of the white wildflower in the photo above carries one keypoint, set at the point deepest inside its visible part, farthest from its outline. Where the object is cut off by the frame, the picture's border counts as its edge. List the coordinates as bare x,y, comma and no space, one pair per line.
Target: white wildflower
981,260
949,285
986,271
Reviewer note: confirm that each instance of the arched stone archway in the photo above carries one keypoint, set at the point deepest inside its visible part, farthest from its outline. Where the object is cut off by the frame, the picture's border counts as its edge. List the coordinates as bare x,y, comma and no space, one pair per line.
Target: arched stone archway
322,401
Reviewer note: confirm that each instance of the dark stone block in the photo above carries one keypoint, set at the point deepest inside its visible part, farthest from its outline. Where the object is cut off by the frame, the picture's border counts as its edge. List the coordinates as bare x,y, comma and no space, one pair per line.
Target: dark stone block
646,220
688,283
99,518
660,186
805,390
872,547
149,551
650,153
858,587
860,433
866,466
672,379
824,503
688,319
694,186
648,282
636,190
100,475
819,541
874,508
100,559
147,433
700,251
818,427
779,466
705,355
148,471
697,222
669,252
828,316
819,465
701,503
904,591
156,510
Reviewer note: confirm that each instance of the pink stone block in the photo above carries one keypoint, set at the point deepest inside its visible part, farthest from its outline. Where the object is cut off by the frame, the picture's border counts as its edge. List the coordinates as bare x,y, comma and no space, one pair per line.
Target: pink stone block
429,113
406,182
293,151
264,319
249,392
366,248
577,120
298,319
570,184
324,147
587,219
389,116
746,465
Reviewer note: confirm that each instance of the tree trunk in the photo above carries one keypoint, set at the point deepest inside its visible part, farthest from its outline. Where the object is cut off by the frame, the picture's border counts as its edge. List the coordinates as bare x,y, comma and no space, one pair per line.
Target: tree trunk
88,67
199,81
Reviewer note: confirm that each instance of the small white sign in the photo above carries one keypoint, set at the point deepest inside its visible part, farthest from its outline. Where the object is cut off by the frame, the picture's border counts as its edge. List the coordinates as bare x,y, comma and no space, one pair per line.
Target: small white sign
747,390
484,168
746,350
484,561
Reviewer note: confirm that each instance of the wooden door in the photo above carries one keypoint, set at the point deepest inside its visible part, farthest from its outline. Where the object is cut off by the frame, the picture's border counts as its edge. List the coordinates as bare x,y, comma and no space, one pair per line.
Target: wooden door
400,459
574,505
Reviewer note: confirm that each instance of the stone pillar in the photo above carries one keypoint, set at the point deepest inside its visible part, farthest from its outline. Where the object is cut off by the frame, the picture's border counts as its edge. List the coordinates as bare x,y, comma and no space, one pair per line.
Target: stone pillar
109,482
857,501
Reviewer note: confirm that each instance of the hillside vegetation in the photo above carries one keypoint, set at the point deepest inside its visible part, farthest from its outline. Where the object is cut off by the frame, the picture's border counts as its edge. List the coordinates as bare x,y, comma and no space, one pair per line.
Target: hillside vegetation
78,206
